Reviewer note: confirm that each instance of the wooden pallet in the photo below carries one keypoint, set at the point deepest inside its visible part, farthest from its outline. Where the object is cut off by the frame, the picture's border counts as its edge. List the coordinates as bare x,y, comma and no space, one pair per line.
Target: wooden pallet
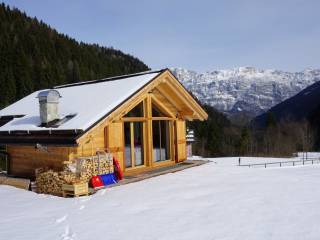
75,190
15,182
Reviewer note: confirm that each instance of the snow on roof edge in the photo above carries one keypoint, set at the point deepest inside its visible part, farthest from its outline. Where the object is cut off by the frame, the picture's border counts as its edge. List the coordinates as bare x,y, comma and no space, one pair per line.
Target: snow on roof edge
109,78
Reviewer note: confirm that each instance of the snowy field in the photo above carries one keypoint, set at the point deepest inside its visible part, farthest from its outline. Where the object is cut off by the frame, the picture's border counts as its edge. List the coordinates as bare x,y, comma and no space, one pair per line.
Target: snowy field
218,200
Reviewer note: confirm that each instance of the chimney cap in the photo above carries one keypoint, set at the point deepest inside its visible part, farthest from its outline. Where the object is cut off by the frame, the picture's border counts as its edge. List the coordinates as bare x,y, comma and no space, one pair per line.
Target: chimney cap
50,95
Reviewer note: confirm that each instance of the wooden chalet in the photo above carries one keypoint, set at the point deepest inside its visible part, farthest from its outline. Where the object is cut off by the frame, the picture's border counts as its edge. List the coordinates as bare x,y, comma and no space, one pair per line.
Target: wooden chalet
140,118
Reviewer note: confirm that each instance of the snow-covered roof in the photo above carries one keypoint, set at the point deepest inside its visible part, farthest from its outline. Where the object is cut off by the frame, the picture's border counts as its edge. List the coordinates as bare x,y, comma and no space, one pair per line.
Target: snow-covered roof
88,101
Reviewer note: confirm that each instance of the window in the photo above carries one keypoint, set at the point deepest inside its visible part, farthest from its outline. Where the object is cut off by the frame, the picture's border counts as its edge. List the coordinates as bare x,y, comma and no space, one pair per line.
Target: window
3,160
127,143
137,111
136,125
161,135
161,140
133,138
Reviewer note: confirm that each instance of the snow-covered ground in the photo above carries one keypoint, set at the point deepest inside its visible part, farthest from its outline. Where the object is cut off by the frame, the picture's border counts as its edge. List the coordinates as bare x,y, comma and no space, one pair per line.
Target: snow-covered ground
309,154
218,200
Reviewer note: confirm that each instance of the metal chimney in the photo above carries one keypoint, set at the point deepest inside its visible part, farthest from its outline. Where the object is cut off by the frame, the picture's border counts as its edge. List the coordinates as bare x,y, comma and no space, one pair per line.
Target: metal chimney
49,103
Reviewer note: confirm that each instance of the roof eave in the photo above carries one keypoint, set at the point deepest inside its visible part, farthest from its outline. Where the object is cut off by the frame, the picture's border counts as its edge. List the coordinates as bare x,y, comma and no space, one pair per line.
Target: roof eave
57,137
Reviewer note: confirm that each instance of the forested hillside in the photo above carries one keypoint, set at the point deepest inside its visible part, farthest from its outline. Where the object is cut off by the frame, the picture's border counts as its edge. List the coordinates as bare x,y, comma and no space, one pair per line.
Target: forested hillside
35,56
292,124
218,136
296,108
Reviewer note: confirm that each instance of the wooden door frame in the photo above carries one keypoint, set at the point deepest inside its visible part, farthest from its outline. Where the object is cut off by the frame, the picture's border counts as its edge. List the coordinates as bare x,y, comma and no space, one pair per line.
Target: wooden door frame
175,136
133,167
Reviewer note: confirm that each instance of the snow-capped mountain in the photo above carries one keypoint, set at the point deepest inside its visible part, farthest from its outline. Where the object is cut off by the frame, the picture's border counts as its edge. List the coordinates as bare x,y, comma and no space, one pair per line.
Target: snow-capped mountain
245,89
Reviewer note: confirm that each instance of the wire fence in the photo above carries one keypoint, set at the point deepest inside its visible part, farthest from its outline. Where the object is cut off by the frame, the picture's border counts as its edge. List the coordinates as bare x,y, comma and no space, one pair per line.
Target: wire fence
300,162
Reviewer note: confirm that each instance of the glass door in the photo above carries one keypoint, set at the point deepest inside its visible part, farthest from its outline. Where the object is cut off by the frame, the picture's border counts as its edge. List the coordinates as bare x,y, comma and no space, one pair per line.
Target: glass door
134,144
161,140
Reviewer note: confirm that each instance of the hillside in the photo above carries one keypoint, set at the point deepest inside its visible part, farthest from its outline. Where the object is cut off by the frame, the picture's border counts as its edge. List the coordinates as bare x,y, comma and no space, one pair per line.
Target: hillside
34,56
304,105
245,90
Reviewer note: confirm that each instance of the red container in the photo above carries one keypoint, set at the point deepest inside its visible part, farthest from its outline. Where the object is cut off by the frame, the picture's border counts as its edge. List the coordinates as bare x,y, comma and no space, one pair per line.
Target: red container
96,182
117,169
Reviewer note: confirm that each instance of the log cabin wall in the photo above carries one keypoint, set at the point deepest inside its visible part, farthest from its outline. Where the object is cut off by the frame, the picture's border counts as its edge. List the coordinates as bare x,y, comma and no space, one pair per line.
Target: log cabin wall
25,159
181,147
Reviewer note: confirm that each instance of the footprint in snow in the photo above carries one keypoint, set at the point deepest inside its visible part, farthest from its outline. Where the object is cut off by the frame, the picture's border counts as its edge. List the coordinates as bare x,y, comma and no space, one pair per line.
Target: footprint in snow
103,192
86,199
68,234
62,219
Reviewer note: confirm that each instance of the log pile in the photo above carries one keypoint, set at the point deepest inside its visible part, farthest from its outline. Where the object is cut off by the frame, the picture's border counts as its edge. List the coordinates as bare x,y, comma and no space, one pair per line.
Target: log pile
79,171
50,182
88,167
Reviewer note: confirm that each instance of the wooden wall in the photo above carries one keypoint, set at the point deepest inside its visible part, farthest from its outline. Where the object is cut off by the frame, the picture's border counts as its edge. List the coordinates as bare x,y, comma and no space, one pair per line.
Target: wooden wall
91,142
181,140
25,159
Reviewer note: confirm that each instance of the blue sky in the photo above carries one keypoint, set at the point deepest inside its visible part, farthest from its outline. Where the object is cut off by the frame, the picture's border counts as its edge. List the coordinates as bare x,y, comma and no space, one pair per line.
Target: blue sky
199,35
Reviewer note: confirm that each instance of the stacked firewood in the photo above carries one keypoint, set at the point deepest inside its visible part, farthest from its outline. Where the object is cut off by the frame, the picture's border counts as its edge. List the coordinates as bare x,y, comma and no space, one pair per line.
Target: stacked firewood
79,171
51,182
93,166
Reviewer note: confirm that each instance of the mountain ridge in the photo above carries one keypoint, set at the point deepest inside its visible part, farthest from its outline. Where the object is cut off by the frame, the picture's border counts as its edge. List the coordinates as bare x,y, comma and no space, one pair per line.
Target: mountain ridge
302,106
247,90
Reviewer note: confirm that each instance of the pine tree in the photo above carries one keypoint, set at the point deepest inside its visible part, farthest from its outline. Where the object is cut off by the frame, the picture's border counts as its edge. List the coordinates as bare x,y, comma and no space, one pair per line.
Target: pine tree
7,87
271,120
34,56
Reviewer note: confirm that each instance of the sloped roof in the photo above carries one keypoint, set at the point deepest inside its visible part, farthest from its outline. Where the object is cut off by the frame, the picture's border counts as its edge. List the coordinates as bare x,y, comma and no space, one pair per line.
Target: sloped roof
88,101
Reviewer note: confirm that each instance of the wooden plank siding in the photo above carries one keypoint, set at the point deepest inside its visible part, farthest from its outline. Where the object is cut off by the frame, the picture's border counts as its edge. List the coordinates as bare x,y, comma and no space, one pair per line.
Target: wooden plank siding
25,159
115,141
181,140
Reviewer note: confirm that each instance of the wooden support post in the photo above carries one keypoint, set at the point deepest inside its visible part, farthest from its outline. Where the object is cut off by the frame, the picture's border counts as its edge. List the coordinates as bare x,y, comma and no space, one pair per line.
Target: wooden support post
149,139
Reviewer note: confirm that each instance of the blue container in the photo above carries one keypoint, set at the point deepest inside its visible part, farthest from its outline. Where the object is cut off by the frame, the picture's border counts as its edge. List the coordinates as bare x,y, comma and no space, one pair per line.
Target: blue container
108,179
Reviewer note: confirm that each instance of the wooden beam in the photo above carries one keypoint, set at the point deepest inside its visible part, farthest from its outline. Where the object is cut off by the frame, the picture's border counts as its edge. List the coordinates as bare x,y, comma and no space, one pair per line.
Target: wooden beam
201,113
162,106
132,144
162,98
134,119
169,97
190,115
162,118
149,140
